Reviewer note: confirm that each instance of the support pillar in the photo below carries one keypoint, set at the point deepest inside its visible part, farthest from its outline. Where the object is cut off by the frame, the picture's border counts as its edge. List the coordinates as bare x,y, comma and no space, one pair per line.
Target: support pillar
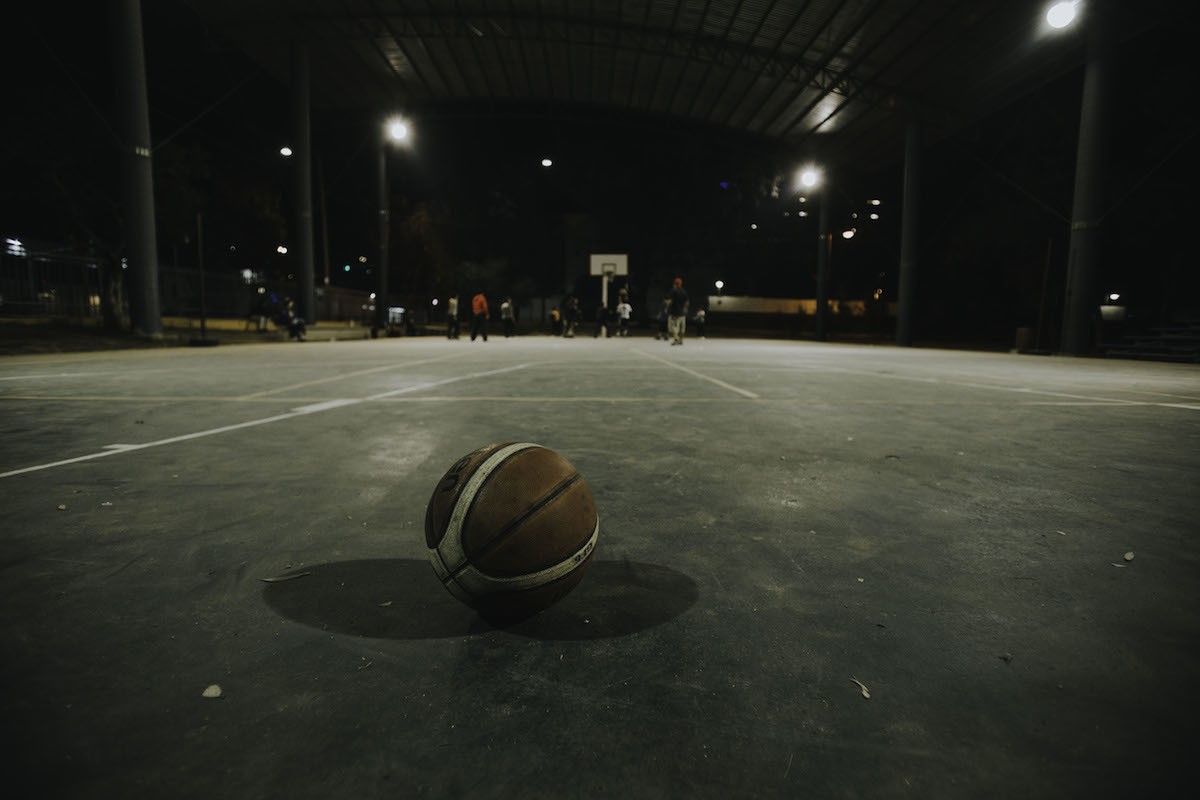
381,269
908,236
1081,311
824,246
303,159
137,168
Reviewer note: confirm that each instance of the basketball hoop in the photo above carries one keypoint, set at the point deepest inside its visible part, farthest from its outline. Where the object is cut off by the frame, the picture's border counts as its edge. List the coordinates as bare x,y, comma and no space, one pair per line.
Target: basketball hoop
607,266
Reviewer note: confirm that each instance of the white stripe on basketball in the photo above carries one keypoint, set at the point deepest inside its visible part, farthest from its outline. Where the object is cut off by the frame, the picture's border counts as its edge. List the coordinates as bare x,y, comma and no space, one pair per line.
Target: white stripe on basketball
471,583
450,549
439,568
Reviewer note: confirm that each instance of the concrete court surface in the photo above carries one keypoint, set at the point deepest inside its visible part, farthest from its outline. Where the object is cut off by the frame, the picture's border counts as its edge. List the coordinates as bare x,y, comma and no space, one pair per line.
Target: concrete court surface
780,523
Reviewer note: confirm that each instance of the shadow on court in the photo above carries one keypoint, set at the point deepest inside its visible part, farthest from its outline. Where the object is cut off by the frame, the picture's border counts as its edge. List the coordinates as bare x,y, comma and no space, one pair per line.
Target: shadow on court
401,599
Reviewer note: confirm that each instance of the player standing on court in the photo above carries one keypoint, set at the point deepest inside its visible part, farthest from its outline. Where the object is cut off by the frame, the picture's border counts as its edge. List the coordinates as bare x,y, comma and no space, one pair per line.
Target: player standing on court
479,318
677,312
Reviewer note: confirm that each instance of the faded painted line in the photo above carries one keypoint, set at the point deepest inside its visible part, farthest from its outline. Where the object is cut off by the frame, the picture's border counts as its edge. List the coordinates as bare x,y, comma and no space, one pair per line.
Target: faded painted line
1131,403
508,398
700,375
333,378
129,448
91,398
1079,399
301,411
51,375
431,384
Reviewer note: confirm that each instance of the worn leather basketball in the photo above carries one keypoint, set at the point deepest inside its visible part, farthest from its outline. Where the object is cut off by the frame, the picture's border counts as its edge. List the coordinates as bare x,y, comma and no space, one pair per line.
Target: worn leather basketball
511,528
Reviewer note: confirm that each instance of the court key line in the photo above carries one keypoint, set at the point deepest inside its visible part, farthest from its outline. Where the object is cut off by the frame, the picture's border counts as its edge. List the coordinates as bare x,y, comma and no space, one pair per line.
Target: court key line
702,376
313,408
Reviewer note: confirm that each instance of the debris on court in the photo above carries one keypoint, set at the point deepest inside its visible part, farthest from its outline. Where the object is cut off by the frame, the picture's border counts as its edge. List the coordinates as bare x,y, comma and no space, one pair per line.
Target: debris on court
281,578
213,692
62,506
863,687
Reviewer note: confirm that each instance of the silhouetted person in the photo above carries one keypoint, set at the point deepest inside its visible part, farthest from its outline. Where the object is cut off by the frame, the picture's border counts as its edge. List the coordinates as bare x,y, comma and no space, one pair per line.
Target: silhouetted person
507,317
677,312
452,317
479,316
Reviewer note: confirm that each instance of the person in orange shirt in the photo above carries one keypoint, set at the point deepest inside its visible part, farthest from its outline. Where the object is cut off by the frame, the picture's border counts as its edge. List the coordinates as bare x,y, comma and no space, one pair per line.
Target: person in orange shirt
479,318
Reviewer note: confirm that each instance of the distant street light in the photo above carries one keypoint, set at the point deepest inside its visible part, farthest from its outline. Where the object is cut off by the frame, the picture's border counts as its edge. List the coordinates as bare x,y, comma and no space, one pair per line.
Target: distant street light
547,162
285,151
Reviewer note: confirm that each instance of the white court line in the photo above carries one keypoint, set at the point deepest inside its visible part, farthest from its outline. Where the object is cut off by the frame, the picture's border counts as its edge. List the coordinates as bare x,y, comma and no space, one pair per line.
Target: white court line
443,382
313,408
1082,398
332,378
1116,401
722,384
49,375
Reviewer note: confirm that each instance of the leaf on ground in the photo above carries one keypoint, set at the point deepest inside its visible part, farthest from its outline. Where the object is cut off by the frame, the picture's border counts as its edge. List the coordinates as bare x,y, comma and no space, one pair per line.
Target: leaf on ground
281,578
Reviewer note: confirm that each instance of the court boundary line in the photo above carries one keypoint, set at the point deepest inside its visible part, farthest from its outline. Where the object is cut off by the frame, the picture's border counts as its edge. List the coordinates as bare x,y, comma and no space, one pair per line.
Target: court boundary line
332,378
300,411
701,375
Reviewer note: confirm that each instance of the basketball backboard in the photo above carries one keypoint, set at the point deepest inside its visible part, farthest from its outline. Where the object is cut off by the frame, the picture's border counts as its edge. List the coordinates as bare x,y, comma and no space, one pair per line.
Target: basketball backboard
609,264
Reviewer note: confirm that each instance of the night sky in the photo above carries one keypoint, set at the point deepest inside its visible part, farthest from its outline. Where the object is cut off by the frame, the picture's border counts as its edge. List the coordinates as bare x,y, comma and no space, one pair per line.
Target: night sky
472,205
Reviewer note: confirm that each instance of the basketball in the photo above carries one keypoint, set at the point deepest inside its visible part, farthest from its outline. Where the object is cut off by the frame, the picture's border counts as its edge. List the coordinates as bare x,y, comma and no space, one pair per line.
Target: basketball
511,528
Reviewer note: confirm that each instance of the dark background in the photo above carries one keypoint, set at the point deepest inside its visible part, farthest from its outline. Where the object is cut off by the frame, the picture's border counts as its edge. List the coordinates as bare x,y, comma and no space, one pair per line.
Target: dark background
473,208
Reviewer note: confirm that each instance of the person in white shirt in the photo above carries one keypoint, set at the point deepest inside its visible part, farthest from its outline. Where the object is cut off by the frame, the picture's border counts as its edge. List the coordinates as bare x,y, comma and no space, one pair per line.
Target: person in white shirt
624,312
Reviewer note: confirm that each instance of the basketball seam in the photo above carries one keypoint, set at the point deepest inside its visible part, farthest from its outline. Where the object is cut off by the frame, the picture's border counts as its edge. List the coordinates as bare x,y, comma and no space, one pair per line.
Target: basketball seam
470,579
452,537
499,538
458,496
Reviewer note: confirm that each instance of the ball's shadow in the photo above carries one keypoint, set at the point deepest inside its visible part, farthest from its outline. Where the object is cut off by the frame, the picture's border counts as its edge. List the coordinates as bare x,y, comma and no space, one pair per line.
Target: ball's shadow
402,599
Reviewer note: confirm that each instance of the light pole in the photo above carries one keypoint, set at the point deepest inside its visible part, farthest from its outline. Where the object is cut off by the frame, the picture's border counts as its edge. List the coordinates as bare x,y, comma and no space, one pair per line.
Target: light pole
394,131
812,178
